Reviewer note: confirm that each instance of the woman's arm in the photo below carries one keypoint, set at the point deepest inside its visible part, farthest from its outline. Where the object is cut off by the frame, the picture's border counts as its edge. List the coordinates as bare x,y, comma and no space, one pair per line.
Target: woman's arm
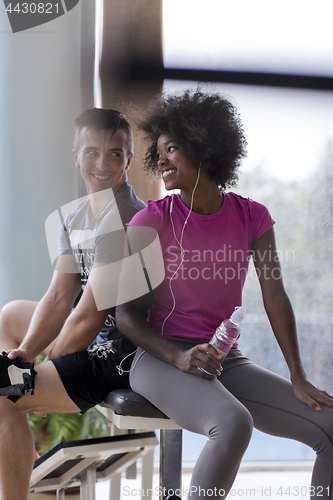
131,324
280,314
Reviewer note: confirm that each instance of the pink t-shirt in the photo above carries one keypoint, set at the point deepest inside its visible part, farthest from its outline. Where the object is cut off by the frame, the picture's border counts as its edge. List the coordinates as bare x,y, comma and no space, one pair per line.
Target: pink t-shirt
208,286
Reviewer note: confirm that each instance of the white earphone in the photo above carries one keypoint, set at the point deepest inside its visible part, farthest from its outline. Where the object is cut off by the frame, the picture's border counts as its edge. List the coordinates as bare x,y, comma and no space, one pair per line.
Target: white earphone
182,251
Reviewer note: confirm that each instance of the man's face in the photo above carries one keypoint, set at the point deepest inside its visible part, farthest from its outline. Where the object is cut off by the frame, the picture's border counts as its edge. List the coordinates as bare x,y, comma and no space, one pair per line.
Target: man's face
102,158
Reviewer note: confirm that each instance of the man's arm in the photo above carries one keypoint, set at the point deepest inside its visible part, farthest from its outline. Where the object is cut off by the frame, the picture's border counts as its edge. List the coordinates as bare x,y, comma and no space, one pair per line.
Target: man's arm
280,314
50,315
74,330
81,327
88,318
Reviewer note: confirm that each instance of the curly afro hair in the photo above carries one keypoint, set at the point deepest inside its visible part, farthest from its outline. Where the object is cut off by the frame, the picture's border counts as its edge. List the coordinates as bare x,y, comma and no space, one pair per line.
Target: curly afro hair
208,127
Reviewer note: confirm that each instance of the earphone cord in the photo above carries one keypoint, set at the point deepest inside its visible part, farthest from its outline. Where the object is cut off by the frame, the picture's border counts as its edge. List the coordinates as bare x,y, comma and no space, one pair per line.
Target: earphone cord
120,369
182,251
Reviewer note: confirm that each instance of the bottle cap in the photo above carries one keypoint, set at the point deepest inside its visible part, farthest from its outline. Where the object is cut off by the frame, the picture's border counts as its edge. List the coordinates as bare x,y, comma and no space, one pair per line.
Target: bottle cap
238,315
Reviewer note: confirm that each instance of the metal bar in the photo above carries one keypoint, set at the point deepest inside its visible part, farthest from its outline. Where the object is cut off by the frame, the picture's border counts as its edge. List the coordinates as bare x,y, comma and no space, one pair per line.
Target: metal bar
88,481
61,494
115,486
170,461
147,474
131,470
151,72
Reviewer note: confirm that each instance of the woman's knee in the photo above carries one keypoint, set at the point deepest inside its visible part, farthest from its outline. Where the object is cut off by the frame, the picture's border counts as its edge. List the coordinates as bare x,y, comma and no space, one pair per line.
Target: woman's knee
243,424
243,428
236,422
231,434
322,435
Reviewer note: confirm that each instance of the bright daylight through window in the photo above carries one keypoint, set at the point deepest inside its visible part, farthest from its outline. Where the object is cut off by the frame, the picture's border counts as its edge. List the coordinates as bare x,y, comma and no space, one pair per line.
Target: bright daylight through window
289,167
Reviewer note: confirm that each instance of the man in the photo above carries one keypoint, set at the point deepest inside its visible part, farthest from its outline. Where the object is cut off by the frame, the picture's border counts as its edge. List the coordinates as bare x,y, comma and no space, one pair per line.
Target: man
79,379
103,151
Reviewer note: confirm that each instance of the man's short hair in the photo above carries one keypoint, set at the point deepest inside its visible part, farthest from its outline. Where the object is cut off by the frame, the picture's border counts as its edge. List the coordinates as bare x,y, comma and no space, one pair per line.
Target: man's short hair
99,119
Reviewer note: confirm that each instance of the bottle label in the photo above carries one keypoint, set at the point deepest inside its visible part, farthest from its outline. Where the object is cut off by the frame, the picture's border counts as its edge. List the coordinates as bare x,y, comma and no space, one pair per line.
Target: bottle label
220,345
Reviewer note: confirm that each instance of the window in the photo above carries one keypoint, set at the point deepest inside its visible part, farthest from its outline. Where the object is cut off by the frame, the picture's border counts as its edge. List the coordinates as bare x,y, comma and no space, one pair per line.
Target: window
289,167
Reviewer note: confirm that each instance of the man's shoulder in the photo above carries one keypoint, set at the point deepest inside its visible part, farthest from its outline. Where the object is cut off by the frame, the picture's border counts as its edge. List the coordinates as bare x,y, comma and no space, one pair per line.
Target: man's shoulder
128,203
78,214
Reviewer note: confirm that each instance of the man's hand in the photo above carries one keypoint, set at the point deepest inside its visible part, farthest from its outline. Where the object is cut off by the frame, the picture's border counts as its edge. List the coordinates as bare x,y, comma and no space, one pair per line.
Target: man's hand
19,353
310,395
22,353
199,362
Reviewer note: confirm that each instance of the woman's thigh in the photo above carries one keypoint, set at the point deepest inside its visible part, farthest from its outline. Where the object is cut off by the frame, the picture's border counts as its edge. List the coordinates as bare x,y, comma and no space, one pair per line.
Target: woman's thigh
276,410
274,407
196,404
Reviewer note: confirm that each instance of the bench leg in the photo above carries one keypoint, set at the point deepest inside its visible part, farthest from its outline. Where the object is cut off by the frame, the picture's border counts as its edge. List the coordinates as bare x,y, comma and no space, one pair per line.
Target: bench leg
170,460
88,484
115,484
147,474
61,494
131,470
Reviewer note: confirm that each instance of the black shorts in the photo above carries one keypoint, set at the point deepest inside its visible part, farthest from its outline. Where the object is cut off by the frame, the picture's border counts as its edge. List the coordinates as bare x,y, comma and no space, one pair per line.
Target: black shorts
88,376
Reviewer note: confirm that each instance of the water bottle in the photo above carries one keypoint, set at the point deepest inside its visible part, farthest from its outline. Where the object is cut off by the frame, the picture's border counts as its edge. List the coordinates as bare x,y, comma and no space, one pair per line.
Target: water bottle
228,332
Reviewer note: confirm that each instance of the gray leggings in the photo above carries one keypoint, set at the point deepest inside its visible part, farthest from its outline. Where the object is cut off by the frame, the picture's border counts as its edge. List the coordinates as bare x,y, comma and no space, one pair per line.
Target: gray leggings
225,410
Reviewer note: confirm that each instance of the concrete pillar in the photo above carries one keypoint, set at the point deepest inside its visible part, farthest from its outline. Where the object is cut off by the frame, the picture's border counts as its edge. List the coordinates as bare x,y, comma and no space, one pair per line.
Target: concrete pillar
132,34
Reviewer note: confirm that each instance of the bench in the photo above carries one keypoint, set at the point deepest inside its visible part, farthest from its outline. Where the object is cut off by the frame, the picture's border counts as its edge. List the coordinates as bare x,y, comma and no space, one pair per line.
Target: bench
83,462
128,410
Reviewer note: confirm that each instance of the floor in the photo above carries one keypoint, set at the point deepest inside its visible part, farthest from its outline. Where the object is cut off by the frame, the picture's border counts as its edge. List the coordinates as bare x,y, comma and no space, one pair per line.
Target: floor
273,481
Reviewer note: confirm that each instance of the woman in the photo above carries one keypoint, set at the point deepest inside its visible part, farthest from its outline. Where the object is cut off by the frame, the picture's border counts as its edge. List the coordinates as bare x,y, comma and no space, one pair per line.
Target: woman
207,237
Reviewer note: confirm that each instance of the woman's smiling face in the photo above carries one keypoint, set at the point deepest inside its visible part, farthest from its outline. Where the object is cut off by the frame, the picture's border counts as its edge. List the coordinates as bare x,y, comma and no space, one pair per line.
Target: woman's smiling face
178,172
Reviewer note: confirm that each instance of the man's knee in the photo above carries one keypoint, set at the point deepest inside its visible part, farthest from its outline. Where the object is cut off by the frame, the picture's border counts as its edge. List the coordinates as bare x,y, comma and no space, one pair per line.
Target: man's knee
10,311
7,329
15,317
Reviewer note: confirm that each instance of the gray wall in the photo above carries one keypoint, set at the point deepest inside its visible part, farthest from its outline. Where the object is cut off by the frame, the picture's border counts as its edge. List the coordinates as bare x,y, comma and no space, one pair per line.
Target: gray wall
39,98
